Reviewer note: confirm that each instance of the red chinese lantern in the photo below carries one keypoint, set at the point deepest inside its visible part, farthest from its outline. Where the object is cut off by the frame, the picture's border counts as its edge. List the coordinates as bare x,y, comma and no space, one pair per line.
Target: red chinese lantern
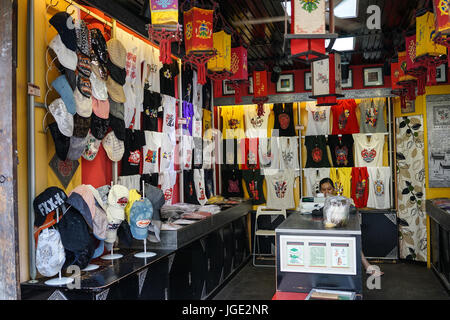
442,16
239,66
406,81
327,80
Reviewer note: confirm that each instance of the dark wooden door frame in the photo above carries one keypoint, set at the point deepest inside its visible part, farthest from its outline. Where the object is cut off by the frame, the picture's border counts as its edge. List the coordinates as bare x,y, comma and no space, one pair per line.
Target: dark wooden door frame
9,242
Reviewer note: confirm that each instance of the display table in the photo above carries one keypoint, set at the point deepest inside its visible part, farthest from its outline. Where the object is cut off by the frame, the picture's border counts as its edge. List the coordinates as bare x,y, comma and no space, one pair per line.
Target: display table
311,256
201,263
440,238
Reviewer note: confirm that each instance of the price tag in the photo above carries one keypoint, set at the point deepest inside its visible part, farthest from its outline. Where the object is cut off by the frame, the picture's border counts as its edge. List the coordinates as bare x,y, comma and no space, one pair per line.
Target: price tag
34,90
182,121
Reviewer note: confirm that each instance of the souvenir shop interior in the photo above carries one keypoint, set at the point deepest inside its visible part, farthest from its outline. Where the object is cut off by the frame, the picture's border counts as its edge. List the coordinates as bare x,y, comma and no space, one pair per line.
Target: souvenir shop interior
232,150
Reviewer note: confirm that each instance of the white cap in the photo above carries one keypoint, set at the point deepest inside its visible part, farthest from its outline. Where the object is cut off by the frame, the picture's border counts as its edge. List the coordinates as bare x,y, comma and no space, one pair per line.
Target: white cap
117,201
91,148
83,104
50,254
66,57
63,118
114,147
99,90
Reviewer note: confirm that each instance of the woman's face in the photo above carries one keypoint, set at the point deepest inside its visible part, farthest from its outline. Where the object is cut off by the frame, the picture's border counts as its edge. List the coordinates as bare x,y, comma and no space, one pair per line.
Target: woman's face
327,189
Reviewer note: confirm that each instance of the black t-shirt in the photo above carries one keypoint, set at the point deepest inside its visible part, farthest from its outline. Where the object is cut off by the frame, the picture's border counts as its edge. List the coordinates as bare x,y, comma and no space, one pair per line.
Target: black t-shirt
254,183
167,76
190,195
207,95
232,183
152,179
209,183
284,119
341,149
317,152
152,110
132,157
188,84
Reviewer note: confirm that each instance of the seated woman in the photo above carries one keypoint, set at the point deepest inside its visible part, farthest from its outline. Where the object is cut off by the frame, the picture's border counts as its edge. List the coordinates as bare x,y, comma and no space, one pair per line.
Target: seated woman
326,186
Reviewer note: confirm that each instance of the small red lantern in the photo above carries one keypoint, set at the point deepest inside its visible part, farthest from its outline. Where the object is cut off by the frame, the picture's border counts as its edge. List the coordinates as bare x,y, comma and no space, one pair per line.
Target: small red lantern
327,80
239,63
442,16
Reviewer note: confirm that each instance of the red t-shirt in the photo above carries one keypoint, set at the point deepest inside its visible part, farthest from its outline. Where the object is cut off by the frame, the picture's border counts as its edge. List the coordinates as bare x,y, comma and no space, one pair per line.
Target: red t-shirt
360,186
249,154
344,117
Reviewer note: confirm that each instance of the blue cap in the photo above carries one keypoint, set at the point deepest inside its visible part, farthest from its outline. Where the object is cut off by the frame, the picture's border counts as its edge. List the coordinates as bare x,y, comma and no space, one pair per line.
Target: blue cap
99,250
65,91
141,214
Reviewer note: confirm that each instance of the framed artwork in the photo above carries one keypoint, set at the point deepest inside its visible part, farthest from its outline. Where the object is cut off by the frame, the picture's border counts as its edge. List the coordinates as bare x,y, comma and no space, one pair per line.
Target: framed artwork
64,170
410,107
227,89
349,82
373,77
441,73
286,83
250,86
308,81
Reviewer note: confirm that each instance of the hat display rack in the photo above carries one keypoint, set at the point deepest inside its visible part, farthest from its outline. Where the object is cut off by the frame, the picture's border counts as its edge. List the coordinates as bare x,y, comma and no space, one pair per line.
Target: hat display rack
145,253
112,255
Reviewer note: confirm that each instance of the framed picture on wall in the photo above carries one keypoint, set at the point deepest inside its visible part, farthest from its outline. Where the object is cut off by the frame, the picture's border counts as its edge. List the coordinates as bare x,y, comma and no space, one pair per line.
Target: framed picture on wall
410,106
373,77
250,86
286,83
308,81
348,83
226,88
441,73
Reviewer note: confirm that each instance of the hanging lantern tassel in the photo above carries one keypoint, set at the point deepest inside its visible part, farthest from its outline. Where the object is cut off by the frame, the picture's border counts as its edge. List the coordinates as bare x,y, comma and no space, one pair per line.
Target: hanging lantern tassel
431,72
421,82
260,101
165,39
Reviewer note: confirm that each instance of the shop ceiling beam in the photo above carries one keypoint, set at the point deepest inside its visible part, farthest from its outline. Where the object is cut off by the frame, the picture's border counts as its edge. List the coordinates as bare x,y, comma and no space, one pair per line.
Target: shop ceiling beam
9,242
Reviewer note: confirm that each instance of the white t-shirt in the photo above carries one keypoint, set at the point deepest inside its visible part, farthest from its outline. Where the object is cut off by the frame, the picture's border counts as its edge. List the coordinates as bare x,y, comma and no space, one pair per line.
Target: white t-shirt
169,106
197,122
289,153
199,181
280,190
256,126
312,179
369,153
153,142
269,153
187,146
197,92
167,180
318,120
151,68
167,154
208,149
379,188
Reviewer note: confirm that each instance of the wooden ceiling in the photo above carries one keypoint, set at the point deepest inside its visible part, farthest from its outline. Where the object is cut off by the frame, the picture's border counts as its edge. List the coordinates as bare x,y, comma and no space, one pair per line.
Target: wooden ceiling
265,39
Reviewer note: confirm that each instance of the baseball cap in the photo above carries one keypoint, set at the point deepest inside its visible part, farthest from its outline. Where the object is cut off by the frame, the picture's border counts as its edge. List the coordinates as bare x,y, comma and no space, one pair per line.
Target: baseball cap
117,109
156,197
76,148
141,214
74,230
71,78
46,203
63,118
66,57
99,127
98,45
81,125
115,91
83,103
50,255
82,199
117,74
117,201
99,90
117,52
111,229
83,38
62,142
114,147
99,69
84,64
81,257
64,24
132,197
103,191
118,126
91,148
100,249
84,85
100,220
63,88
100,108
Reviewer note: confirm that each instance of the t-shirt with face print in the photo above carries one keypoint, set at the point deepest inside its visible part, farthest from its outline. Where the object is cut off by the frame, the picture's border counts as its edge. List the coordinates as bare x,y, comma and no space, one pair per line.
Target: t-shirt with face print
317,156
344,117
284,119
318,120
232,183
341,149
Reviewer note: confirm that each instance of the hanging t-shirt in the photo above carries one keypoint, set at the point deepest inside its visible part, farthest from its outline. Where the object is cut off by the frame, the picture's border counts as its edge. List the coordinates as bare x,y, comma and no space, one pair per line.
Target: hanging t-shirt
188,114
372,116
254,183
187,84
167,76
342,181
206,95
198,153
167,180
152,110
232,183
341,149
360,186
230,153
167,154
132,112
132,157
369,153
233,122
152,179
256,125
197,124
151,68
208,149
207,124
248,156
197,92
379,188
200,189
190,195
317,156
153,142
284,119
187,146
209,183
318,120
313,176
169,105
269,153
344,117
280,190
289,153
